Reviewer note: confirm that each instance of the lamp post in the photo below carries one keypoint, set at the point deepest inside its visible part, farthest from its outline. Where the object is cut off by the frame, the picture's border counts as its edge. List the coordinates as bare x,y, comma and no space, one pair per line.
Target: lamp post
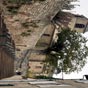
62,70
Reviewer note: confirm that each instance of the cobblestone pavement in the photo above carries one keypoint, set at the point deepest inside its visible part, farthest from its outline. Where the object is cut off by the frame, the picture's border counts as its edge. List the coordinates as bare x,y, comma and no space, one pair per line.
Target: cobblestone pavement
75,83
18,82
49,84
17,85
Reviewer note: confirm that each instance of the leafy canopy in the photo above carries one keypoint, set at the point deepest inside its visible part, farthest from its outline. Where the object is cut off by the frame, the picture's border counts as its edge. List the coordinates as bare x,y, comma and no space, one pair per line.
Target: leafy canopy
69,52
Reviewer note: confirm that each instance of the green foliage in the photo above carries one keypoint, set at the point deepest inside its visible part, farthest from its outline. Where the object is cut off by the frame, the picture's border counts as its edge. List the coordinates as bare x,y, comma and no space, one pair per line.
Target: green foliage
13,10
28,30
33,24
69,52
27,24
19,1
42,0
69,5
44,77
25,34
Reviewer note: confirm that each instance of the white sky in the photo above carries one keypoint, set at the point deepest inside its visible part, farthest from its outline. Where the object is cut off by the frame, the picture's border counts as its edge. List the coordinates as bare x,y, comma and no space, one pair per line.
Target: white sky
82,9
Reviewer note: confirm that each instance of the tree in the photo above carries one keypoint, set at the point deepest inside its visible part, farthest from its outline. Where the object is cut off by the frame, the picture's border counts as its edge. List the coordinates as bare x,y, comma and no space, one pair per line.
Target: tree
69,52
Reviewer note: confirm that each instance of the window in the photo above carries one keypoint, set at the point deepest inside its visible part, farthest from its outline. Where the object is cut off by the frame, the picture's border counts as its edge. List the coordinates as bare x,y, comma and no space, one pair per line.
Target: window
38,67
79,25
46,34
17,49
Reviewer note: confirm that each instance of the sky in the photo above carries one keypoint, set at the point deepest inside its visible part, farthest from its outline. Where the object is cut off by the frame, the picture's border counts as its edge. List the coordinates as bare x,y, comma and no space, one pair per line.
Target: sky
82,9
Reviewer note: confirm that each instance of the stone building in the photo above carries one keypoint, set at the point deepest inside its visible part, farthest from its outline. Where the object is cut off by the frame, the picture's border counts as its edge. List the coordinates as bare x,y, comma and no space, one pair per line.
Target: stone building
7,51
73,21
61,20
38,56
37,16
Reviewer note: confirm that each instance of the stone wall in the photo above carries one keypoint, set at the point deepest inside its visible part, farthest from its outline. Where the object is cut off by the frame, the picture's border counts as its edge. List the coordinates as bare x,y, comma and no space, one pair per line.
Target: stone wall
7,51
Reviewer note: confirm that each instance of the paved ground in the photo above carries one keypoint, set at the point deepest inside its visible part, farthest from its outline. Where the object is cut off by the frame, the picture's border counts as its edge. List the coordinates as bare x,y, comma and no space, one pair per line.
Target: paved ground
18,82
75,83
48,84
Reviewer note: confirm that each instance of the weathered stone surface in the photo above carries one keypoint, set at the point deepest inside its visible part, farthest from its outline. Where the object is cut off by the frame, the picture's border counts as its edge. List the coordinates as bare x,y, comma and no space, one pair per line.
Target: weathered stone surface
39,15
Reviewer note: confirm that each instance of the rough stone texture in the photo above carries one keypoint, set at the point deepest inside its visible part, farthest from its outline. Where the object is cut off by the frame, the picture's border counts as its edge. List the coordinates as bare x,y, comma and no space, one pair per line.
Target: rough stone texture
37,13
